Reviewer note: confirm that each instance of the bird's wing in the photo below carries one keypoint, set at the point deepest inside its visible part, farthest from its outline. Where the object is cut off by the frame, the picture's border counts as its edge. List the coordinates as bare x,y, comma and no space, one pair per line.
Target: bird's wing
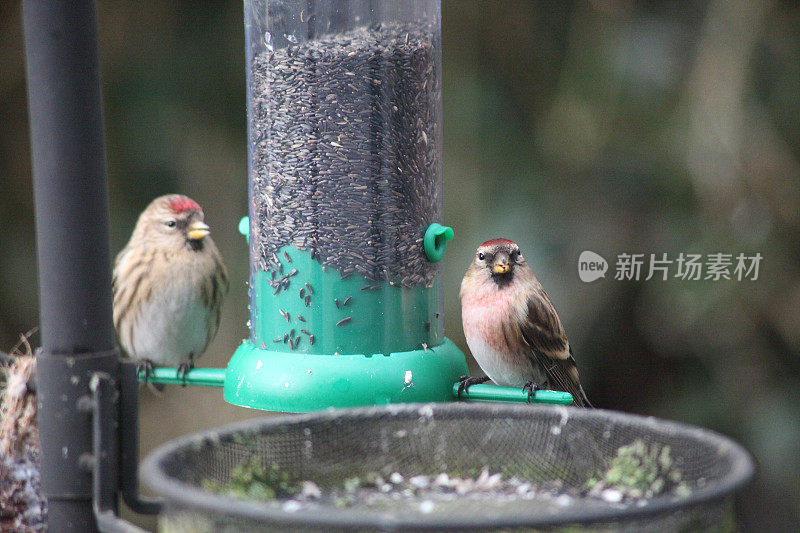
549,348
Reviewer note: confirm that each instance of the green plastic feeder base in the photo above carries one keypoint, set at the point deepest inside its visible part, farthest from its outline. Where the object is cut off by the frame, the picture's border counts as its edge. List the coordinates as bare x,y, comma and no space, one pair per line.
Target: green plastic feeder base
297,382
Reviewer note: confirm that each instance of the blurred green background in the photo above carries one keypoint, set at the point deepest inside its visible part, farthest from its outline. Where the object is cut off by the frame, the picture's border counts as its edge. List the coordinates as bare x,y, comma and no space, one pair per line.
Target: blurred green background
611,126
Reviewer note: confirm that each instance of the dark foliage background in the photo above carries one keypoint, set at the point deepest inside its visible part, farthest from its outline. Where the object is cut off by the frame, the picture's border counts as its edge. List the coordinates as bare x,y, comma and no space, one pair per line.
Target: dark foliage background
612,126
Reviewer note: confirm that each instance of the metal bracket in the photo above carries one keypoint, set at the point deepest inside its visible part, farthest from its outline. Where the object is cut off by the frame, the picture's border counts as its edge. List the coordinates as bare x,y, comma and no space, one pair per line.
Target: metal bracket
115,444
129,443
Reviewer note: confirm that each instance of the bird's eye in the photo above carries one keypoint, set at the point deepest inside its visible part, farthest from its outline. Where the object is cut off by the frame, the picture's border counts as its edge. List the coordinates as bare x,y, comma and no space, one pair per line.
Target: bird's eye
170,223
481,256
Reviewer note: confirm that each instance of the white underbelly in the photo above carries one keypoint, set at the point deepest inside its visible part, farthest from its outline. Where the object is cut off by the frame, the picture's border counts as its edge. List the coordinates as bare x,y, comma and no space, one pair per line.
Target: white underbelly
169,328
508,370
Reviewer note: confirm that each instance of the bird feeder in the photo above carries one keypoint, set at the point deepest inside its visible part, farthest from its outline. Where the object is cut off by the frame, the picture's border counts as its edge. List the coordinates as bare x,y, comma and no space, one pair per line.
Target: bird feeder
345,187
345,228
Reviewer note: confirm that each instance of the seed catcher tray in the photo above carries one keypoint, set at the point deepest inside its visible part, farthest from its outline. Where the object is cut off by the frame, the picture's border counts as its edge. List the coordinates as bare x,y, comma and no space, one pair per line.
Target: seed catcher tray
450,466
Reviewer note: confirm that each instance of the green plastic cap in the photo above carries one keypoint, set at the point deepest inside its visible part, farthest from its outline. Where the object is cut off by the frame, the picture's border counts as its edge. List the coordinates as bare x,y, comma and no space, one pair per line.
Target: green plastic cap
300,382
435,241
244,228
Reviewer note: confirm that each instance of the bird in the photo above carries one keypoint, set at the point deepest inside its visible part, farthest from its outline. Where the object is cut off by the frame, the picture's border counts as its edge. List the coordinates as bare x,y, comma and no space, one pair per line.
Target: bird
511,326
169,282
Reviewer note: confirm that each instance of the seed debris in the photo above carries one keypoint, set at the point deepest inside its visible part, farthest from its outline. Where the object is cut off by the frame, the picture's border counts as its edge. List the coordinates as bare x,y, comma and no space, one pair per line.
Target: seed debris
345,320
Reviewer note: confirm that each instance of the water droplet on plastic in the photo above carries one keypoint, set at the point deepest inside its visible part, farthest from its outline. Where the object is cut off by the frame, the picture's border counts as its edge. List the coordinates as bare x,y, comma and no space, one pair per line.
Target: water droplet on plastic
268,41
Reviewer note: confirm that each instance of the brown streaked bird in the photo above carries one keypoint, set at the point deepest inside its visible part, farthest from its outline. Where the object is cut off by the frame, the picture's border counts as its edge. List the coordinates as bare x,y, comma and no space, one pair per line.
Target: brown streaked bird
511,326
169,283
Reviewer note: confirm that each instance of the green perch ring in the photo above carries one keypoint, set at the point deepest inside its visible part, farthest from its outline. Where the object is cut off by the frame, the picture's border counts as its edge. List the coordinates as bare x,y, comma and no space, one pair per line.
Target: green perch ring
435,241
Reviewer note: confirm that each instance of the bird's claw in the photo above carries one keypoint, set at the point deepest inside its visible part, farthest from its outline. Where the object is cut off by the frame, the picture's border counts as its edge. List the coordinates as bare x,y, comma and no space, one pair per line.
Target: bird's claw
531,388
184,368
147,366
465,382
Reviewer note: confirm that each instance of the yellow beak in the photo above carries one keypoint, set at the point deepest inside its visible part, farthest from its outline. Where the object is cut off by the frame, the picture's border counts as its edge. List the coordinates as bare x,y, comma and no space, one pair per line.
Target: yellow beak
197,230
501,268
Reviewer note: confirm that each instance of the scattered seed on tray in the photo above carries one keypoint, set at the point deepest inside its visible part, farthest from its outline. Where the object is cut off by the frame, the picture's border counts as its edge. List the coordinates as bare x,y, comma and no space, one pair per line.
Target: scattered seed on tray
345,320
300,318
347,300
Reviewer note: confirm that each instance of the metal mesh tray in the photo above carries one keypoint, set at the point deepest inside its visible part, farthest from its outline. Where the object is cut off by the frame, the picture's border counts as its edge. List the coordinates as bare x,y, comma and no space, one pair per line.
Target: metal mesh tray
563,455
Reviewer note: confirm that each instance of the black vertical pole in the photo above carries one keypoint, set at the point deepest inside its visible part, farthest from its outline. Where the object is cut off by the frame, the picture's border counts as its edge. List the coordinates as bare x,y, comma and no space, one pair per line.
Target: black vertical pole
73,248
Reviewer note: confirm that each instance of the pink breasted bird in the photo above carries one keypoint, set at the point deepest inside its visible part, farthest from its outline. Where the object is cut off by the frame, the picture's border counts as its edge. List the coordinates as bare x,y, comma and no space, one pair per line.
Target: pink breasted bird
169,282
511,326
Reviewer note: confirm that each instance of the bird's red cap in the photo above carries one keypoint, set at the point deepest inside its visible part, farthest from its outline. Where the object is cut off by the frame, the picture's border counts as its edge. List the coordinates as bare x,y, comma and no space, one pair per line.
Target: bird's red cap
181,204
495,242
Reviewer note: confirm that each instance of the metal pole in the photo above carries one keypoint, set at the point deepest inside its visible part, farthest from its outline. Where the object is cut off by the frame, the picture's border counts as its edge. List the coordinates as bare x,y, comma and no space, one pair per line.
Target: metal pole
73,247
